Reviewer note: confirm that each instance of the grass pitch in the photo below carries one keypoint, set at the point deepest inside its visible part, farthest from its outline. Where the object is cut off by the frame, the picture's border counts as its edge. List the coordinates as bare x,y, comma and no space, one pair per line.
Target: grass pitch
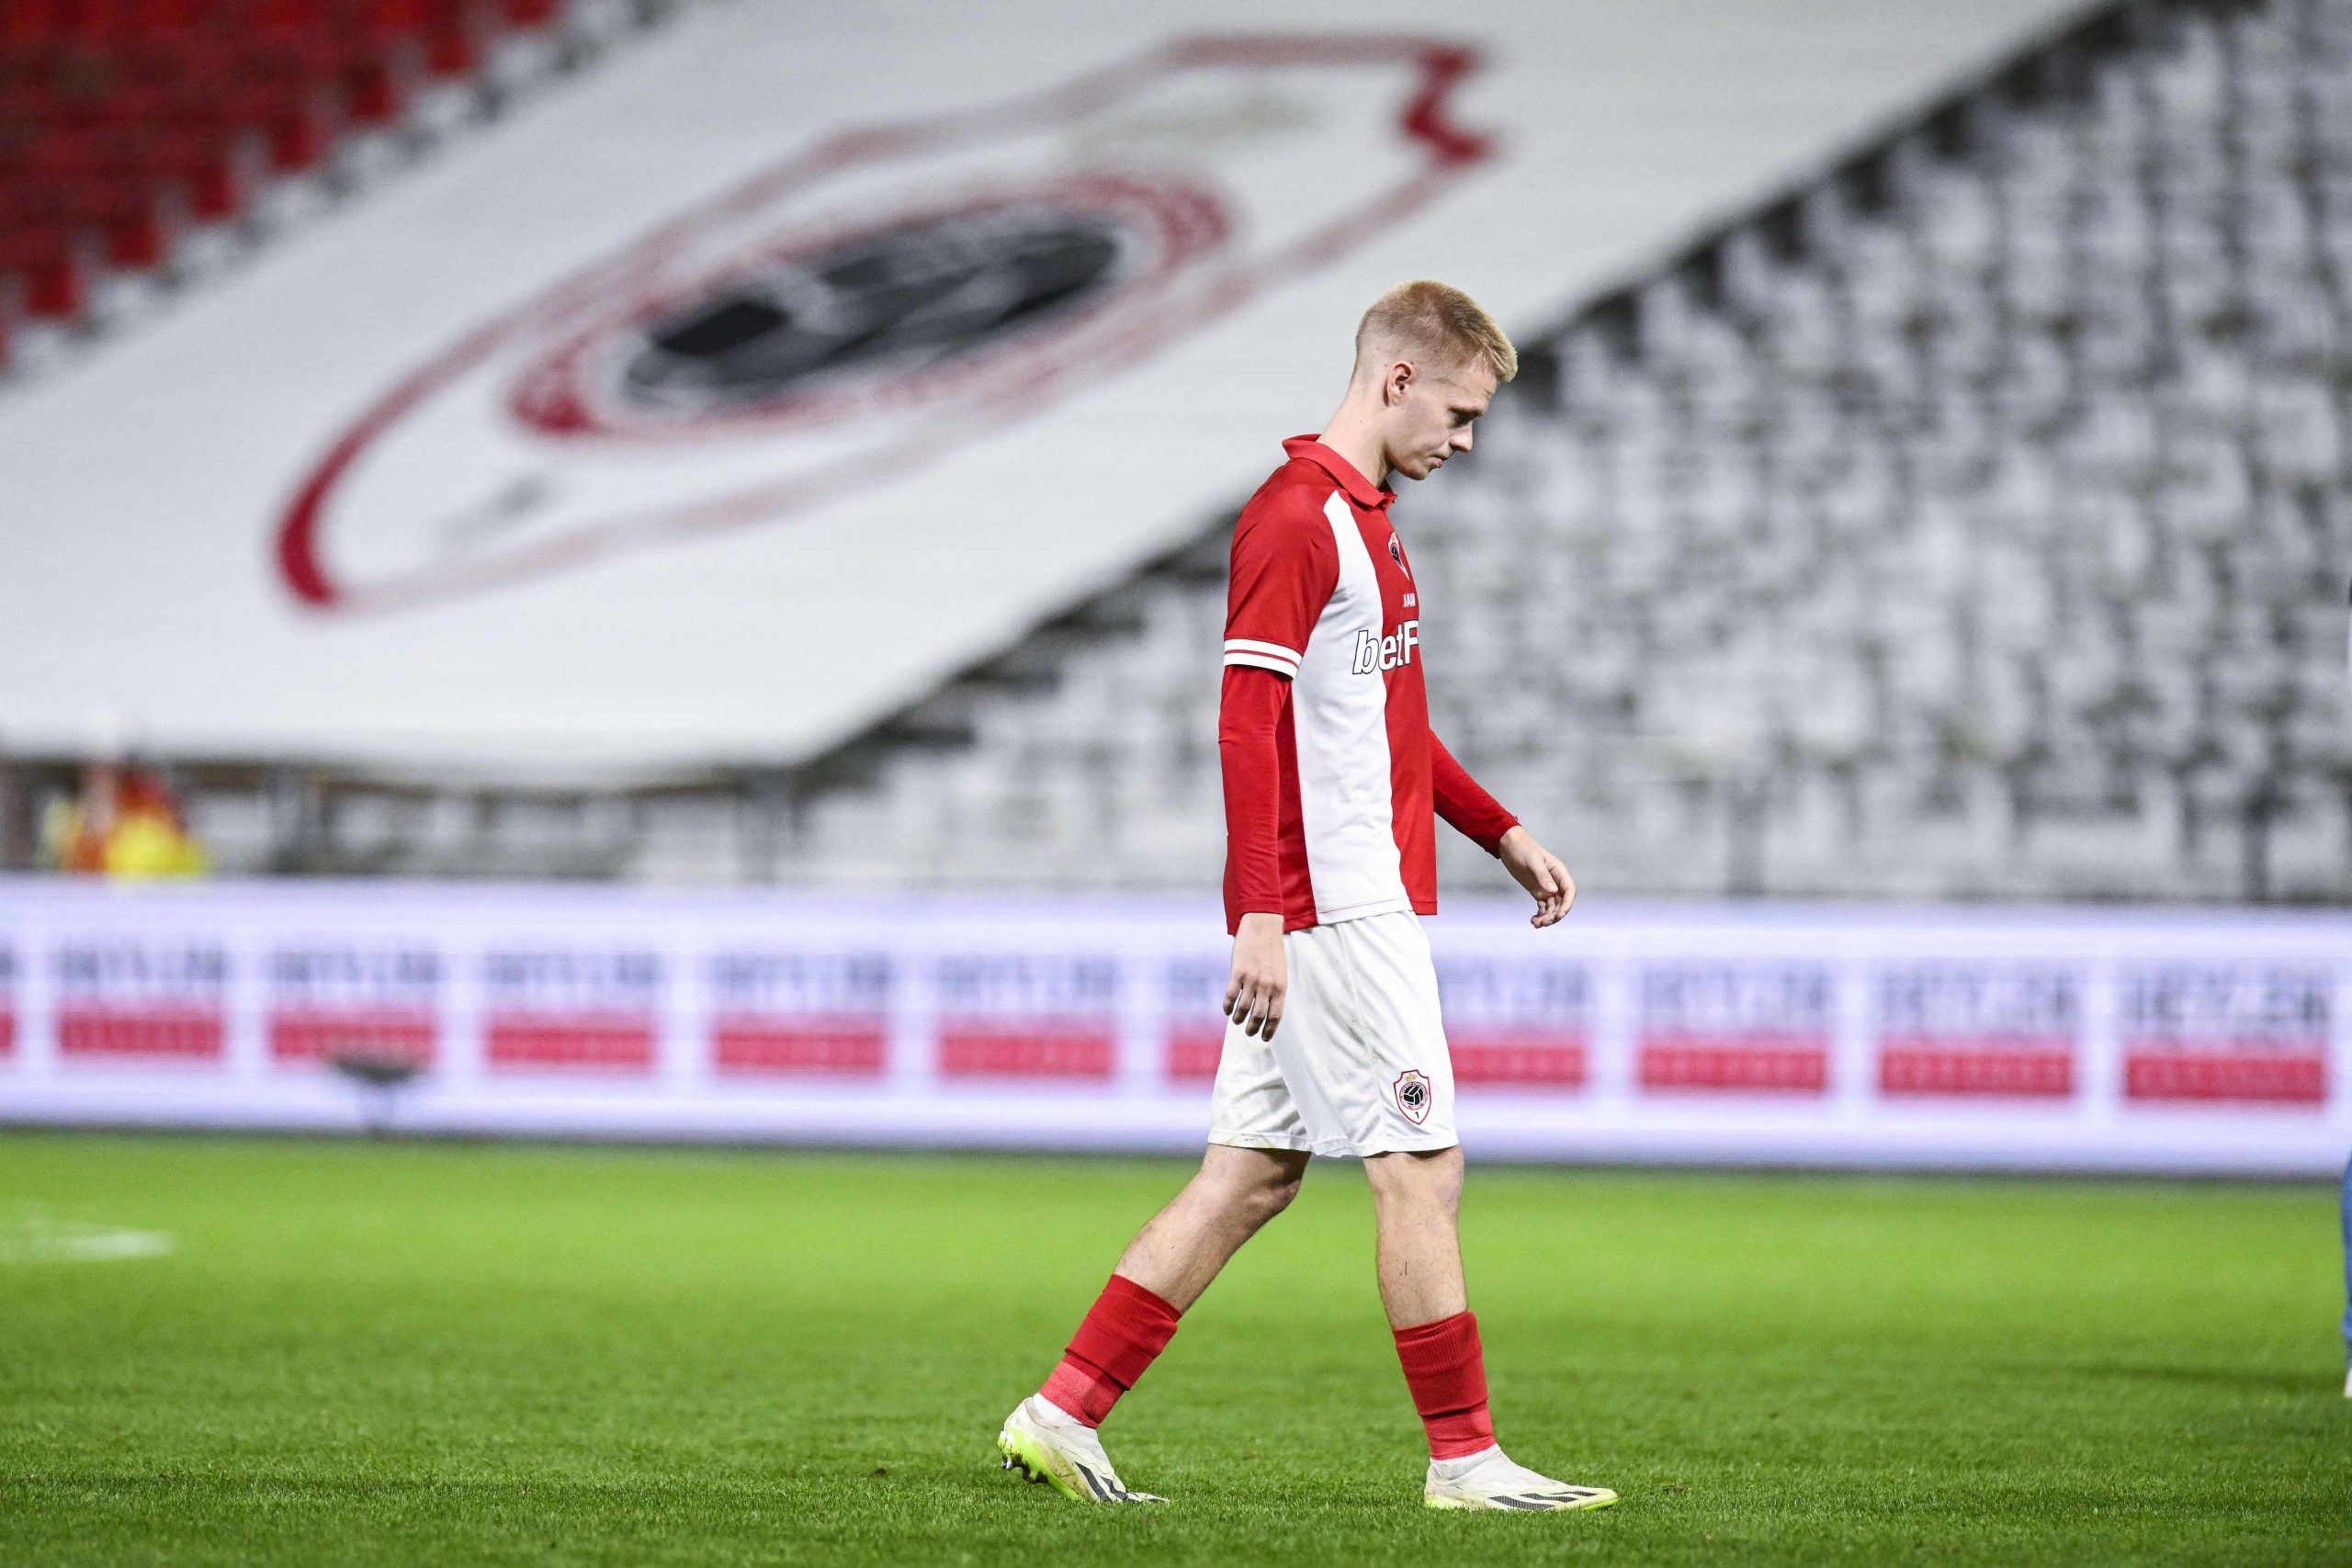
452,1354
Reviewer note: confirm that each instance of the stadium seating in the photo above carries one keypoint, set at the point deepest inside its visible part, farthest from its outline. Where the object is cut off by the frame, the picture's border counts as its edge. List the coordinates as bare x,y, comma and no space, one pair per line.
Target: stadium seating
1967,520
125,124
1970,523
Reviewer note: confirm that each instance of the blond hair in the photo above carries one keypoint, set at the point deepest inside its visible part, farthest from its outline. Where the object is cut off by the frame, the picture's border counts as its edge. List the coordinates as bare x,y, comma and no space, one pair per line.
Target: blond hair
1439,319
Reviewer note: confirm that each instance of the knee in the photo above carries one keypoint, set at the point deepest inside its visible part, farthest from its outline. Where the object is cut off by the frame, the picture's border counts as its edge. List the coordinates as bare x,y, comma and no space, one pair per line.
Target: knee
1418,1182
1441,1194
1274,1196
1256,1201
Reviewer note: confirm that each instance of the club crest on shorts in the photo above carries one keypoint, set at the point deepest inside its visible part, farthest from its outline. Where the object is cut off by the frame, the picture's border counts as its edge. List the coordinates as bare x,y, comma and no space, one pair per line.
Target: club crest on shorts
1412,1091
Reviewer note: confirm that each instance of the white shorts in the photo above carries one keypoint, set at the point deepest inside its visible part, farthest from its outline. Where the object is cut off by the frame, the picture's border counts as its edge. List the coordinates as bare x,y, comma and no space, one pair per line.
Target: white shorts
1359,1066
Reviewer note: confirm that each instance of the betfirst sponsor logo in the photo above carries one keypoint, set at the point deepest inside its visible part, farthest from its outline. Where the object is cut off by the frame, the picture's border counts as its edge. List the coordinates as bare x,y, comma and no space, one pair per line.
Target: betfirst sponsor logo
1993,1028
569,1007
1030,1016
1374,654
141,998
801,1012
7,999
1196,1011
1758,1025
1516,1025
2246,1032
330,1001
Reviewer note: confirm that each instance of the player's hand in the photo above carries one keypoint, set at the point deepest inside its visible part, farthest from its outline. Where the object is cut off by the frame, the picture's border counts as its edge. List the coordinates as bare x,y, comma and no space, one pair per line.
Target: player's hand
1539,870
1253,997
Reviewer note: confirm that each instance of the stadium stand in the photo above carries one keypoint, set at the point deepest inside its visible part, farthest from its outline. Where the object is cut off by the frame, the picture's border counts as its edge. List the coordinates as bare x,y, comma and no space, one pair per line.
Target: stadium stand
1967,519
361,633
142,141
1971,523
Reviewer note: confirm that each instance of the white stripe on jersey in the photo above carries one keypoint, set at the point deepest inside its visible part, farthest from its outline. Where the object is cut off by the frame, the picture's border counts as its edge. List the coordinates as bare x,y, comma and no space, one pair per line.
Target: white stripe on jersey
1252,645
1262,661
1340,723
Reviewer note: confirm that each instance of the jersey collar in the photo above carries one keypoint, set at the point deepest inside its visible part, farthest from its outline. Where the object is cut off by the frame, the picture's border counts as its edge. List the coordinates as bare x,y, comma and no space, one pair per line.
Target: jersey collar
1361,491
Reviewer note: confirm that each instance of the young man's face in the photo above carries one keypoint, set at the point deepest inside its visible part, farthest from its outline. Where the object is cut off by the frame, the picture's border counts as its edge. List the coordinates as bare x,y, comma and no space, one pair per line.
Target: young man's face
1431,415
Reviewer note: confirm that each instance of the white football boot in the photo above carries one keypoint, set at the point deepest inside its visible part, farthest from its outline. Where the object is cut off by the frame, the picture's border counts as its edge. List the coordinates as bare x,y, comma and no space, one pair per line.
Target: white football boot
1489,1480
1047,1443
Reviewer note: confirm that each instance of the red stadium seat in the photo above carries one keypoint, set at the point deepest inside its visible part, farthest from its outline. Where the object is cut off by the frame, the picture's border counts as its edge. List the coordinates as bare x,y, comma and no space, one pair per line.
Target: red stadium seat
164,18
377,81
391,20
214,167
454,50
54,264
134,217
291,18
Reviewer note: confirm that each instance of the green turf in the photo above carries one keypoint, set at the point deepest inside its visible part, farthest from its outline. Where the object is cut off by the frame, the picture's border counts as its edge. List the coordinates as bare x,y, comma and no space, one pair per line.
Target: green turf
441,1354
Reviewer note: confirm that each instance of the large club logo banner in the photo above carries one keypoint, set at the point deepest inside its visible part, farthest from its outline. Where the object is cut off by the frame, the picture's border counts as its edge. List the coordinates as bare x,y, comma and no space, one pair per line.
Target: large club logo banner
870,305
1798,1034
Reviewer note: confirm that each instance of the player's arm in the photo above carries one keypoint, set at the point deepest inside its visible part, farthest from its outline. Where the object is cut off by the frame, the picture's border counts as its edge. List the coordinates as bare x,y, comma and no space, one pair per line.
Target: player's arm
1478,817
1248,712
1285,566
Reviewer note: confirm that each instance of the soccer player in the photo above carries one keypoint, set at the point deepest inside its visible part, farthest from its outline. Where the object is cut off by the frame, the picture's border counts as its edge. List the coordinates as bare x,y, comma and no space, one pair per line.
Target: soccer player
1332,1045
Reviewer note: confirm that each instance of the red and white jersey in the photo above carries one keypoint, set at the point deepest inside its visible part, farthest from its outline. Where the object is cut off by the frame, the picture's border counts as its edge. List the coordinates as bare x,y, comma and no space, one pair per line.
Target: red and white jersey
1322,593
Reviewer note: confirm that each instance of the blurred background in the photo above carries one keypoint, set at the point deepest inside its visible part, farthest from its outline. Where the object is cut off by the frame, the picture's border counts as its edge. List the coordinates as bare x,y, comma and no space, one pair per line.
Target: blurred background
655,567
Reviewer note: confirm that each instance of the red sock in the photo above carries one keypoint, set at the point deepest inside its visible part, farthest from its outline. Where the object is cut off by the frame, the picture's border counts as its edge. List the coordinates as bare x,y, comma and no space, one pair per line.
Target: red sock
1125,1328
1447,1373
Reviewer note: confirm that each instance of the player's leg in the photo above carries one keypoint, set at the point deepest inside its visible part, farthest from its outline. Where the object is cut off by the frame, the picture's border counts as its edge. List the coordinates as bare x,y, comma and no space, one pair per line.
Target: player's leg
1398,1109
1418,1200
1051,1436
1164,1270
1233,1194
1258,1149
1416,1203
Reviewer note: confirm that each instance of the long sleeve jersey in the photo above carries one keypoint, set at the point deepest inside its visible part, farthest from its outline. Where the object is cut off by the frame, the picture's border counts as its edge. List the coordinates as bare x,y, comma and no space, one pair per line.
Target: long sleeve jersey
1331,771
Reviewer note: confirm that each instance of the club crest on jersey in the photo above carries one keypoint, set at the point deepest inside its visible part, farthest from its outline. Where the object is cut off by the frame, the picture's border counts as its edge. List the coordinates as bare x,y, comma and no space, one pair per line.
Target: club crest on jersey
1412,1091
1397,554
1377,653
